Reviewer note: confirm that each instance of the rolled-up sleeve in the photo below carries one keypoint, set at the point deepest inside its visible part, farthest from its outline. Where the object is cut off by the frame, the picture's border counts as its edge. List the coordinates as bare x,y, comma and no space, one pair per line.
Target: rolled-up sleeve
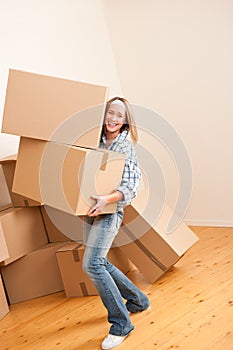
130,180
131,176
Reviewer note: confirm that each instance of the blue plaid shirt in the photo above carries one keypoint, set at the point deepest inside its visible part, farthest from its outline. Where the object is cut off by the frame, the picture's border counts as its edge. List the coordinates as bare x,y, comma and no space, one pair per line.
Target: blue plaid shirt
131,175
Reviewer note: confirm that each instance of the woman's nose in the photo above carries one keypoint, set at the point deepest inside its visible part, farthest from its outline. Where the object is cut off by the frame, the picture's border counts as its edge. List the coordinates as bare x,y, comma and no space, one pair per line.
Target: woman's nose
113,117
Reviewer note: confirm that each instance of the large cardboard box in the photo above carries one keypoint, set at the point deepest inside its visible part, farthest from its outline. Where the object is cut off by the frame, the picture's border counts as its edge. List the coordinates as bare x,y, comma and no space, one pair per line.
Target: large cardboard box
75,280
35,275
8,166
51,108
4,309
65,177
148,245
23,231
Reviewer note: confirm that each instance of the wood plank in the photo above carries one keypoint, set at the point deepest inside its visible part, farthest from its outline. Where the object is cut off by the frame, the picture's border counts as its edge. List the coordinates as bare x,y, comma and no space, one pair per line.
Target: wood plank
191,308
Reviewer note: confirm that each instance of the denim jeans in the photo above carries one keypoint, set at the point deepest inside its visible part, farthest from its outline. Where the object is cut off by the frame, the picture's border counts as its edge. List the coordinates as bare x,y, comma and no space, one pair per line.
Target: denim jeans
111,283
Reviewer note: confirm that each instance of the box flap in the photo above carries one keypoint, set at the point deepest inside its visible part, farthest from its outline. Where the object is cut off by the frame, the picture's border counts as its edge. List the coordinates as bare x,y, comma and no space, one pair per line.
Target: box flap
11,158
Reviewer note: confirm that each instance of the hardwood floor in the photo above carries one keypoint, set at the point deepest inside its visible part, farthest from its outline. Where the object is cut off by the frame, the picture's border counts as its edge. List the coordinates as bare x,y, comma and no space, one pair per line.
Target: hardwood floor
192,308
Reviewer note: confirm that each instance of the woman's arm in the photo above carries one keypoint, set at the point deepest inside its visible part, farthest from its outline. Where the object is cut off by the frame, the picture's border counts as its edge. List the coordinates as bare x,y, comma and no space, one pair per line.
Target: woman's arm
130,181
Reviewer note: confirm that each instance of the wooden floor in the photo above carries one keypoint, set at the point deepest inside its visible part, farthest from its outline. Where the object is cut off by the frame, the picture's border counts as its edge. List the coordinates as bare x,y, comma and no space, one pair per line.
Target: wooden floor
192,308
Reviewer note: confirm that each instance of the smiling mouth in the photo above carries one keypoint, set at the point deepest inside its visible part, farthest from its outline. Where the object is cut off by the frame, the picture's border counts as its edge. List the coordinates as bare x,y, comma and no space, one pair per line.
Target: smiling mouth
112,124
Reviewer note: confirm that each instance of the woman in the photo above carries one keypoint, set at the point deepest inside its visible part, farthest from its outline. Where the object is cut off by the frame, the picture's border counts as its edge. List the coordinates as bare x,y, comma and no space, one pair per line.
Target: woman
101,230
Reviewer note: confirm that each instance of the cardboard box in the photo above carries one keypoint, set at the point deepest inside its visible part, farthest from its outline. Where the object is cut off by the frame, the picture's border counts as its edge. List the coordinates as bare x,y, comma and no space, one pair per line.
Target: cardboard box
22,230
4,309
51,108
8,166
35,275
4,193
4,207
119,259
4,253
54,232
75,280
147,244
65,177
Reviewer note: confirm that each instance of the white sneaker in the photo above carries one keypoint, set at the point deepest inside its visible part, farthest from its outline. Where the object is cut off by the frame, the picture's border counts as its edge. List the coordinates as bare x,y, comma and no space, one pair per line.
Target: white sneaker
112,340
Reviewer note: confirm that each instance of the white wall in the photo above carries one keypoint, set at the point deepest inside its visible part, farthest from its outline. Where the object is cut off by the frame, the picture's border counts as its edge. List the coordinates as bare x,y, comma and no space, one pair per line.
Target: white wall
175,57
63,38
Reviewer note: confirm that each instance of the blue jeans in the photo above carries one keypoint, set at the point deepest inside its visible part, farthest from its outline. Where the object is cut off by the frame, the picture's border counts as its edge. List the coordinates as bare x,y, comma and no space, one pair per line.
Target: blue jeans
111,283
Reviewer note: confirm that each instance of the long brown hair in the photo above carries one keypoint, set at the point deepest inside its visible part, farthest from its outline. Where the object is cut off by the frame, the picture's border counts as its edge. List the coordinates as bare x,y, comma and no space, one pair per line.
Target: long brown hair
130,123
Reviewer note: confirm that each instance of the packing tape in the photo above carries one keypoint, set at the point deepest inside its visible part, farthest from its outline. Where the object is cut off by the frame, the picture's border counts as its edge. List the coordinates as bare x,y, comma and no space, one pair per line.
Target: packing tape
143,248
104,161
83,289
76,253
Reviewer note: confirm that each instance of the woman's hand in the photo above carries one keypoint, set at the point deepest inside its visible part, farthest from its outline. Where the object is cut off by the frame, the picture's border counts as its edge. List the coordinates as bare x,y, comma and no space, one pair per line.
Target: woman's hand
101,201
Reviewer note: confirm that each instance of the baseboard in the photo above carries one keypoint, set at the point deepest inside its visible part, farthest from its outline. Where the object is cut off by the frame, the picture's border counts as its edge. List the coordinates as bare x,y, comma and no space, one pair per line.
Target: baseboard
211,223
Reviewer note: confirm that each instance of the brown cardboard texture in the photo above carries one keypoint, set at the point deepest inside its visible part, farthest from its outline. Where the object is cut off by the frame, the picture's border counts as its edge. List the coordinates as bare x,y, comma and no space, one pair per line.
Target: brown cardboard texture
4,192
23,231
65,177
35,275
8,167
4,309
4,253
4,207
53,232
75,280
51,108
119,259
61,226
147,244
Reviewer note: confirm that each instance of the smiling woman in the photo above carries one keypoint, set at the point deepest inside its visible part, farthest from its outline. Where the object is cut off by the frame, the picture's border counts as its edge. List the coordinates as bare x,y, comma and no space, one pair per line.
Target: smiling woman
100,230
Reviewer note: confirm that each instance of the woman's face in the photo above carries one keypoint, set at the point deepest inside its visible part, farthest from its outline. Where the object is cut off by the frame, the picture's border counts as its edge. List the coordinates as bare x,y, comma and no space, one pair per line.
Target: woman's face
115,118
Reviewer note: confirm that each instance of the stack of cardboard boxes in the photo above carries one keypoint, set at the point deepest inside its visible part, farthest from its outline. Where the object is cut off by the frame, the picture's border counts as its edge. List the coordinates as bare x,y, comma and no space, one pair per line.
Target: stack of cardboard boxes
60,169
59,166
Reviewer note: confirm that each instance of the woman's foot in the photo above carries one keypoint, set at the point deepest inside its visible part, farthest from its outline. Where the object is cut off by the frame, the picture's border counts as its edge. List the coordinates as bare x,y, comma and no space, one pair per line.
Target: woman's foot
111,341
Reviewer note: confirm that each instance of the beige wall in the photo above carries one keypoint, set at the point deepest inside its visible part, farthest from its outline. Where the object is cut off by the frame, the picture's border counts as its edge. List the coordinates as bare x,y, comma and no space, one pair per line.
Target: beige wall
175,57
61,38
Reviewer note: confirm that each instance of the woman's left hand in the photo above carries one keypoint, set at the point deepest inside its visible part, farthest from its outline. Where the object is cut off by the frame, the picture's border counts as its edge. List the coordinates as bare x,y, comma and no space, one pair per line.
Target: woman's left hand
101,201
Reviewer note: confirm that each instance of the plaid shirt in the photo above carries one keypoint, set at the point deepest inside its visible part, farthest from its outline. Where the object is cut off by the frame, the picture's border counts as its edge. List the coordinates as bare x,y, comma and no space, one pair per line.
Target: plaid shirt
131,175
